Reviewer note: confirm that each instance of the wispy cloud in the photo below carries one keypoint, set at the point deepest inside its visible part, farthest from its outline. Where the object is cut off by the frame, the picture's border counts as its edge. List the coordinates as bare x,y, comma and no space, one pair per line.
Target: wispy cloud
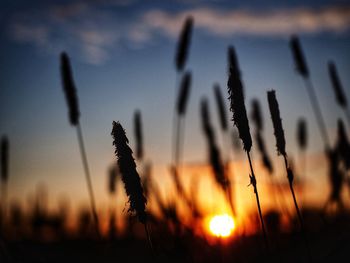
258,23
94,30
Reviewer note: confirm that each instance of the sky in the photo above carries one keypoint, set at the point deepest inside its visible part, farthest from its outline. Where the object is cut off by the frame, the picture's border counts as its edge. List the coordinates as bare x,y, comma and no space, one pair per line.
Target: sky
122,55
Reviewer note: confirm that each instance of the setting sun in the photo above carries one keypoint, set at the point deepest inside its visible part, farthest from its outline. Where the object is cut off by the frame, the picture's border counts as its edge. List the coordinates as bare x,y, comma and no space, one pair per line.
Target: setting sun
221,225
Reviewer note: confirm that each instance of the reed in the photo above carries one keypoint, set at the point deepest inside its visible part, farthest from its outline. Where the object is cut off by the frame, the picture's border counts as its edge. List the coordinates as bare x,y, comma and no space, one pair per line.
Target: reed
236,97
178,131
302,134
74,114
138,134
281,150
221,107
302,69
214,153
112,187
222,112
130,177
343,145
112,180
257,115
257,119
302,142
183,44
338,89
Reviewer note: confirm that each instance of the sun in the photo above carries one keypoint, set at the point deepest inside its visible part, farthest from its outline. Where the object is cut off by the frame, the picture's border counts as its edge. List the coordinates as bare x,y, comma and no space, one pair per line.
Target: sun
221,225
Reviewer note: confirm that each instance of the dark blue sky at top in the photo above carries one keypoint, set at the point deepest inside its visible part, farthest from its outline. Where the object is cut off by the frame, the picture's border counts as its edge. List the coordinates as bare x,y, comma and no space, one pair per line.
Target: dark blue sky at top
131,75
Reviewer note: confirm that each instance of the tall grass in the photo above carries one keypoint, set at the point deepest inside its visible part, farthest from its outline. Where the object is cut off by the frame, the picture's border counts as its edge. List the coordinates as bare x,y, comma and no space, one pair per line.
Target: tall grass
281,150
222,112
214,156
302,141
259,124
183,44
74,115
138,134
130,176
178,133
302,69
338,89
236,97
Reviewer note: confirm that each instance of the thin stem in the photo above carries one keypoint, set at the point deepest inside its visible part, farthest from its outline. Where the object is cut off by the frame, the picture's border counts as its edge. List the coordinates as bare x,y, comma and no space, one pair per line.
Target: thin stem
301,222
253,182
88,177
317,110
175,123
230,188
302,155
347,114
149,239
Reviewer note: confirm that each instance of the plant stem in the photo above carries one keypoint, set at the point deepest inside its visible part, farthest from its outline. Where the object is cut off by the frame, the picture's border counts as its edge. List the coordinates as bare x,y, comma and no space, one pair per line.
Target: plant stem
149,240
88,178
347,114
317,110
301,222
253,182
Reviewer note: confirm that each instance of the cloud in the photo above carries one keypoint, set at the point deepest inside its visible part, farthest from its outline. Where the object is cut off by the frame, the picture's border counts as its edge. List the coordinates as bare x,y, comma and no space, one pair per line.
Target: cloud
274,23
93,29
36,34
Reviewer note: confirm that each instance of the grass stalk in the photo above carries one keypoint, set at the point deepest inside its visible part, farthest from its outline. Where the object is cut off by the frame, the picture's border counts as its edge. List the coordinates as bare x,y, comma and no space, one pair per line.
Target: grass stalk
88,177
317,110
254,184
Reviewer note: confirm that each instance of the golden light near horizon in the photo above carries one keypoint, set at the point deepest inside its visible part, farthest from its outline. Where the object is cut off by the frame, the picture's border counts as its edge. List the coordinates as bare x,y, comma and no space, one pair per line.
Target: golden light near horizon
222,225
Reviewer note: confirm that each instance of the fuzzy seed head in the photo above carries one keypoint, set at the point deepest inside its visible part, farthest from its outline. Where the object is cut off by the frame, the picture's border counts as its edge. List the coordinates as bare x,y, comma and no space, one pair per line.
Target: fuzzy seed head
69,89
183,45
299,59
336,84
277,122
129,175
236,97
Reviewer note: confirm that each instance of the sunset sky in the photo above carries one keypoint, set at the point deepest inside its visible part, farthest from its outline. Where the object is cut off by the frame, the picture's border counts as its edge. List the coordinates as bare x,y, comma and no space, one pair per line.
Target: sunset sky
122,55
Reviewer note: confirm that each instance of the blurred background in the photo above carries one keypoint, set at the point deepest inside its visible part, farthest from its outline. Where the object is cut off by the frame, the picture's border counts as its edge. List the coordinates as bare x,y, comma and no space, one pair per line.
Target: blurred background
122,57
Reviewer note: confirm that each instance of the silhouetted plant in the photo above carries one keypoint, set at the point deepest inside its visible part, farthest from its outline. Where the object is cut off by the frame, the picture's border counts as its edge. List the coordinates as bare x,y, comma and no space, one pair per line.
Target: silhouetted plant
112,179
73,107
302,134
338,89
303,70
138,134
281,150
184,93
257,115
302,140
343,145
130,176
336,178
236,97
214,154
183,44
257,118
221,108
179,122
